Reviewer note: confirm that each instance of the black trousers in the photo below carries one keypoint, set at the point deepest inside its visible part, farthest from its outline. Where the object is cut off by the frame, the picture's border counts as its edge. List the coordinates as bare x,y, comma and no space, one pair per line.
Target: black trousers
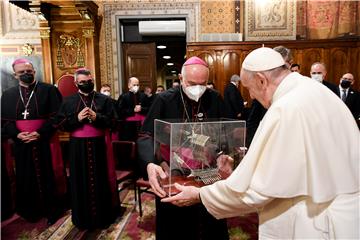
190,223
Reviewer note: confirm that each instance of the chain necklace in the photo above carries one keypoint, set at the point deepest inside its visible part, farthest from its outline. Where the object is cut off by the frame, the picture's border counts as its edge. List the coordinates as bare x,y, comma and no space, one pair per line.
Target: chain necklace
91,105
198,115
26,105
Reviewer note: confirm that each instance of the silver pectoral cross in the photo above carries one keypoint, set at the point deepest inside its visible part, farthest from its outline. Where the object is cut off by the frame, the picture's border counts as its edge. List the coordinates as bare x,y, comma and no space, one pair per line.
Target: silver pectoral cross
25,113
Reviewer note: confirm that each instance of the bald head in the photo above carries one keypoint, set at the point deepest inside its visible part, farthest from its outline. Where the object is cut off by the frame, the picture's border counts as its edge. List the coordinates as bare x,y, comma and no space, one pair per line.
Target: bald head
318,71
196,74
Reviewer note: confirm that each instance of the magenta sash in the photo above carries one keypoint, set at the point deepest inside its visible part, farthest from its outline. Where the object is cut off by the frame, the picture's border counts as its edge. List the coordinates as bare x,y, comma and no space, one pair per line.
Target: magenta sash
29,125
56,155
87,131
136,117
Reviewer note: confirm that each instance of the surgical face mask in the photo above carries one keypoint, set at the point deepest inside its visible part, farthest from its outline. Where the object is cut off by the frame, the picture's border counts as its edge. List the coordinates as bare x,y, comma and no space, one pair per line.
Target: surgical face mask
134,89
107,93
345,83
27,78
317,77
86,87
195,92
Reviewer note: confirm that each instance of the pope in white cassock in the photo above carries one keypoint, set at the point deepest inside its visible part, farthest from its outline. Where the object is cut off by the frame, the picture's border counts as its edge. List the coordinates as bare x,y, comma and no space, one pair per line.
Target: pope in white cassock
301,172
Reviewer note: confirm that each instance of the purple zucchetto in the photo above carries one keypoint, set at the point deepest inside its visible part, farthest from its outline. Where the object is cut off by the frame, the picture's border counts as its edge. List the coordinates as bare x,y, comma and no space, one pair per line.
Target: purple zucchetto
19,61
194,61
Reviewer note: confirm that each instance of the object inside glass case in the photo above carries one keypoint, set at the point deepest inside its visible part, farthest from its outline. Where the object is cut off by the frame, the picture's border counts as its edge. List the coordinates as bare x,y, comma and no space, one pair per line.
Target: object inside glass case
192,149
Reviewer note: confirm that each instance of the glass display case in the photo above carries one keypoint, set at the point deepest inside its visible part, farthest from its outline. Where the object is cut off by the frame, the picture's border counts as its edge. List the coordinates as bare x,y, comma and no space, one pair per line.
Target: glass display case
190,151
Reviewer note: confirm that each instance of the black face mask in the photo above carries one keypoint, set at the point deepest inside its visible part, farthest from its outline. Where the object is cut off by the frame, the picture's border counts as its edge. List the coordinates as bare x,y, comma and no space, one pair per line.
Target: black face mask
27,78
86,87
345,84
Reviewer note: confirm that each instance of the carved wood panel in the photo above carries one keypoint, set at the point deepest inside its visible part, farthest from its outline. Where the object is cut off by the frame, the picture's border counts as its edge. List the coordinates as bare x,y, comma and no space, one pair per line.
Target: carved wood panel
139,61
340,56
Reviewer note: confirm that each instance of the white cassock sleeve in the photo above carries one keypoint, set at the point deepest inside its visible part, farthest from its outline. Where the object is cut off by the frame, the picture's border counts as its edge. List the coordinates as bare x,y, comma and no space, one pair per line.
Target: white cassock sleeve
222,202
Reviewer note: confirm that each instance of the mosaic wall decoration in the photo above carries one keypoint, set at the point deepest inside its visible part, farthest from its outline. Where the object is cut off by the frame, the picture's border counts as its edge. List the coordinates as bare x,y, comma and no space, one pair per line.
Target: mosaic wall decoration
217,17
270,20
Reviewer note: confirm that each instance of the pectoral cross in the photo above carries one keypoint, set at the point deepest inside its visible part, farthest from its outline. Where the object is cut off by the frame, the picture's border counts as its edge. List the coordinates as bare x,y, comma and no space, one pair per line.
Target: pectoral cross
25,113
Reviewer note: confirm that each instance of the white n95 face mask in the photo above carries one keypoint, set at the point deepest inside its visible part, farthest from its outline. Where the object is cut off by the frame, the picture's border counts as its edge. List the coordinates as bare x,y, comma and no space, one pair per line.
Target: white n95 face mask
135,89
317,77
195,92
106,93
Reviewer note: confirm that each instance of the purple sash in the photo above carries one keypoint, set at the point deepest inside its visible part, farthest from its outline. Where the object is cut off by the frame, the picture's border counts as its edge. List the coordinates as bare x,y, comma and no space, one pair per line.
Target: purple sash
136,117
56,155
87,131
29,125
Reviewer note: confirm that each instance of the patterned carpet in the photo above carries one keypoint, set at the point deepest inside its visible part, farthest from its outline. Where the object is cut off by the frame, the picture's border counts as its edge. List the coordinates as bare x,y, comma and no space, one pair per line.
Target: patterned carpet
129,226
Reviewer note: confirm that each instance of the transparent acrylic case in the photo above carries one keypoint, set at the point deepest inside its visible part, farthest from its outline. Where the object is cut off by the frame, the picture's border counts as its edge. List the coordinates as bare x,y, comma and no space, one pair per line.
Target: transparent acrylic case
190,150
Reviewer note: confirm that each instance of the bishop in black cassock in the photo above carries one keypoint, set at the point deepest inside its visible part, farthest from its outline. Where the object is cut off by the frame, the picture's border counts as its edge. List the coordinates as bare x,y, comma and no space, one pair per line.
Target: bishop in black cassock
27,116
86,115
173,222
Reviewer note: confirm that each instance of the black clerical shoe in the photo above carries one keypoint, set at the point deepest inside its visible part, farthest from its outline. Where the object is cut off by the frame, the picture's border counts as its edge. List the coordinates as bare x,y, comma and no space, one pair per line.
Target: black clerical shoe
53,219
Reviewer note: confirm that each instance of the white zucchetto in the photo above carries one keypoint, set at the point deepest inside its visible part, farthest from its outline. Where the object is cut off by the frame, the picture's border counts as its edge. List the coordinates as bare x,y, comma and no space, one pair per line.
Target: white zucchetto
262,59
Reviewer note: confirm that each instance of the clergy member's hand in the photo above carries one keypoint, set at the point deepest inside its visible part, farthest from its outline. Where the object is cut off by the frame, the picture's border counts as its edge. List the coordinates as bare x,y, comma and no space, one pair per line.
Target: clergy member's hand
33,136
189,195
83,114
225,163
137,108
23,136
91,114
154,172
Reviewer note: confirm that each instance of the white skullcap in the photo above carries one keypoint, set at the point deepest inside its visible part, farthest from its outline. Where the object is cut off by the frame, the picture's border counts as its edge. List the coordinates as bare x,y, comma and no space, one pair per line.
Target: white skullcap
262,59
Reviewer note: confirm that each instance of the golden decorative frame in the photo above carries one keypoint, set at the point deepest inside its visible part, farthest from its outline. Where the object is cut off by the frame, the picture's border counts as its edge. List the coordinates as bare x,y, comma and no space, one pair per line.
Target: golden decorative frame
270,20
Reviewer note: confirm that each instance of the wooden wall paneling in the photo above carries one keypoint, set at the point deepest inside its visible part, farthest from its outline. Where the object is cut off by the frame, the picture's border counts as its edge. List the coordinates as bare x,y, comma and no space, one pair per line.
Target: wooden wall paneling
339,64
231,65
338,55
309,56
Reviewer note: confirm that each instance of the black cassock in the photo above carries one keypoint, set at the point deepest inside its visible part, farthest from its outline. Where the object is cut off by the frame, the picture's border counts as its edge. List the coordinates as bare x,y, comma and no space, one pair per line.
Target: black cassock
125,106
93,201
174,222
37,192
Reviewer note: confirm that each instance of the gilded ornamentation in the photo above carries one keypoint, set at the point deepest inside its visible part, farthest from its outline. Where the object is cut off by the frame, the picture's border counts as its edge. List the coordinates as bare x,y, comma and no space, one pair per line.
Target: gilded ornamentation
27,49
69,51
45,33
88,33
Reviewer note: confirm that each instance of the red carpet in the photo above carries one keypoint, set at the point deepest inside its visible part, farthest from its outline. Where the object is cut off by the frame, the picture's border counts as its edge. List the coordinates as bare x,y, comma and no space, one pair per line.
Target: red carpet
128,226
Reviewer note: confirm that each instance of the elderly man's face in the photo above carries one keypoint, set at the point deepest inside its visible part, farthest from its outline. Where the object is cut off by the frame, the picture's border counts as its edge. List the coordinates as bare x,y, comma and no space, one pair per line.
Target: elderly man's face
257,86
195,75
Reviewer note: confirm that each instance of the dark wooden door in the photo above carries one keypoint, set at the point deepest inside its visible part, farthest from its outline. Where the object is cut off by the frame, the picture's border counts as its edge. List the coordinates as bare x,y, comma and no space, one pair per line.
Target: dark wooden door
140,62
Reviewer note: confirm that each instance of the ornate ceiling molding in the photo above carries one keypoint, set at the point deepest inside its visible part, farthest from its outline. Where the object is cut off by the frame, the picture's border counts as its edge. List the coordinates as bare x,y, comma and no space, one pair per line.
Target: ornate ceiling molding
18,26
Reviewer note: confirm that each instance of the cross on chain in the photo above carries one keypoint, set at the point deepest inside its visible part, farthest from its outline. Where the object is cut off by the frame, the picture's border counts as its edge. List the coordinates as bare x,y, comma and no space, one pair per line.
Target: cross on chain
25,113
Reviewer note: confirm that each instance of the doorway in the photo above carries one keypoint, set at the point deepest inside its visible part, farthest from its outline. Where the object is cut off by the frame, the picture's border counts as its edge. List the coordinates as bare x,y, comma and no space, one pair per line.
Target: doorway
169,54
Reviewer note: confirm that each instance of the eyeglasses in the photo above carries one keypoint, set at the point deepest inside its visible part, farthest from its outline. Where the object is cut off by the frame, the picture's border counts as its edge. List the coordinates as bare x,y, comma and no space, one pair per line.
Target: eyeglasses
348,79
24,71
